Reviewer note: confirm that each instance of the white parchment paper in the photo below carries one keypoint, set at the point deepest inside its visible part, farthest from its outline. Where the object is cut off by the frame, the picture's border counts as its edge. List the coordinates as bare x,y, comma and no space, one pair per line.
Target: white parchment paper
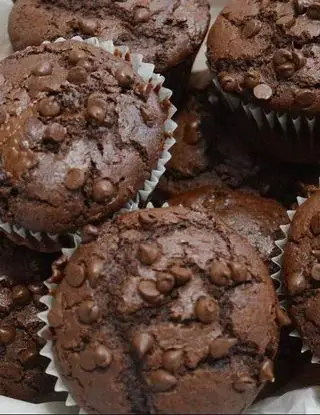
298,401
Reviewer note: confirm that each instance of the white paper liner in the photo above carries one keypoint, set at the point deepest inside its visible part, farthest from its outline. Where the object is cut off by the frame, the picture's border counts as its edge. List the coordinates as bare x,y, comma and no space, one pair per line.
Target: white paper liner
145,70
281,243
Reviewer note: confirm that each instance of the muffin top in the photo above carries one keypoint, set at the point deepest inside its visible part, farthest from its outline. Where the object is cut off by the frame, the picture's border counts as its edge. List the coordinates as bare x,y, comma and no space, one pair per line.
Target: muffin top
80,132
167,311
268,52
301,270
255,218
166,32
22,369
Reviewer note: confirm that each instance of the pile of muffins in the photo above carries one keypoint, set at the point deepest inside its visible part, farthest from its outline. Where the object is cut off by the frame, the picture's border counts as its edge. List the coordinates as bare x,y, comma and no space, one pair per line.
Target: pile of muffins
156,284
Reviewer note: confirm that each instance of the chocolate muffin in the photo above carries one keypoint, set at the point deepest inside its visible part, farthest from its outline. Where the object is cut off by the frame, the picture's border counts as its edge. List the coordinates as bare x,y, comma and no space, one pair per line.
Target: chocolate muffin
301,271
255,218
266,55
167,311
81,132
168,33
22,369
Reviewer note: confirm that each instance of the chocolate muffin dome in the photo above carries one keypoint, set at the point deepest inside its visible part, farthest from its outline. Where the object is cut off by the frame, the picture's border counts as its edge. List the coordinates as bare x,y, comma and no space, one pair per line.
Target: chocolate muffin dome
167,311
80,133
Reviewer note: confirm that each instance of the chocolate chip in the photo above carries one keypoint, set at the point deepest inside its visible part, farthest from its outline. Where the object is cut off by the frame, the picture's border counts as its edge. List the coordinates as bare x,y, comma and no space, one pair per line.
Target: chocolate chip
301,6
304,98
95,268
165,282
102,357
161,380
227,82
221,346
141,14
315,224
21,295
102,190
220,273
286,70
313,11
75,179
252,78
182,275
77,75
239,272
96,108
3,116
28,357
142,344
298,59
88,26
55,132
148,291
89,233
37,288
262,91
191,133
49,107
266,371
147,115
296,283
86,64
207,310
315,272
75,274
316,253
172,360
283,319
286,21
7,334
42,69
125,76
251,28
76,55
148,253
244,384
282,56
88,312
86,360
147,218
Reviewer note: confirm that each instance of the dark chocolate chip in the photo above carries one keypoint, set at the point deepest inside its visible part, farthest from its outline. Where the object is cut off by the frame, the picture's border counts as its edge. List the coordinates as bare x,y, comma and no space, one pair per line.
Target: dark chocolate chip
282,56
76,55
147,218
49,107
313,11
148,253
267,371
96,108
95,268
315,224
102,356
239,272
298,59
172,360
75,179
207,310
42,69
221,347
88,26
148,291
165,282
316,253
315,272
252,78
182,275
88,312
141,14
102,190
125,76
75,274
191,133
304,98
283,319
89,233
262,92
37,288
29,357
220,273
55,132
86,64
286,70
244,384
251,28
142,344
161,380
77,75
227,82
296,283
7,334
301,6
21,295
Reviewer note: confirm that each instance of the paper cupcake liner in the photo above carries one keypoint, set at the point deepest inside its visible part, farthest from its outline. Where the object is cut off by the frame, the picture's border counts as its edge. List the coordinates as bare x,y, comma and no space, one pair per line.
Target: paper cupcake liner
50,242
281,243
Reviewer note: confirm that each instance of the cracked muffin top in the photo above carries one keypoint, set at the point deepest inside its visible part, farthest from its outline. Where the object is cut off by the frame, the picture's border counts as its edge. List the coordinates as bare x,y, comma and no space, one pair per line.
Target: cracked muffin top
166,32
167,311
268,52
80,132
